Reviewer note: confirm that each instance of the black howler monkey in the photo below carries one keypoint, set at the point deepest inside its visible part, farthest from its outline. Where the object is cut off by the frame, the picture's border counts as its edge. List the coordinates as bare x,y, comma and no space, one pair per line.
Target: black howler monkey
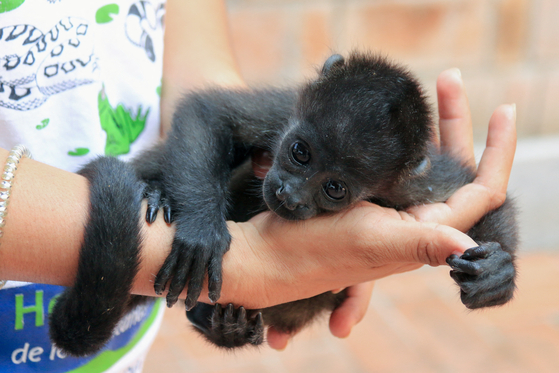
360,131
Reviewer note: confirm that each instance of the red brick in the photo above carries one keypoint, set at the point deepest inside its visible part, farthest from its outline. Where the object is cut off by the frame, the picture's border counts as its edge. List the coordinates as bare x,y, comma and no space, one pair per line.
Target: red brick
260,41
316,41
412,31
512,33
550,115
526,90
546,30
485,92
470,32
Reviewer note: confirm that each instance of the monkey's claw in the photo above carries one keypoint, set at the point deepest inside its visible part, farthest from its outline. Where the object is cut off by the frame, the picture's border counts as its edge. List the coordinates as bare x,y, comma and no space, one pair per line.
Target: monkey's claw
156,199
485,275
228,327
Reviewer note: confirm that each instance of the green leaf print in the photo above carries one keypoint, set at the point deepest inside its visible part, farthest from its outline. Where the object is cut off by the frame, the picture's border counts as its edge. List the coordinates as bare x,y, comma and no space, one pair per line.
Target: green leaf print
78,152
44,122
7,5
105,13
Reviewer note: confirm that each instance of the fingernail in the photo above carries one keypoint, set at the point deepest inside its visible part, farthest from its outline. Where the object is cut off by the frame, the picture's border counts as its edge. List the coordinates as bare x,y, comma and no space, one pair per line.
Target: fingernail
456,71
466,242
514,110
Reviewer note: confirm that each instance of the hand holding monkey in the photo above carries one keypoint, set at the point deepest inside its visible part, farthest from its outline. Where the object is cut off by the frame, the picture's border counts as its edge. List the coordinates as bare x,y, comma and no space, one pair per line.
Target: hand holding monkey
455,128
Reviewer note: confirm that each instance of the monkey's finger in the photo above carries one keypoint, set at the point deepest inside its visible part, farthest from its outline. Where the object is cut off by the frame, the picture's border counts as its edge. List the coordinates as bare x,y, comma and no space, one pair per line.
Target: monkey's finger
214,277
180,276
258,331
153,198
197,272
352,310
168,217
165,272
455,122
461,265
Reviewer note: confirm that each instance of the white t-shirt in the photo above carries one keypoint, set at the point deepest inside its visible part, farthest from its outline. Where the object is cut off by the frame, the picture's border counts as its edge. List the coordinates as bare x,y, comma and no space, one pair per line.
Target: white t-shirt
77,79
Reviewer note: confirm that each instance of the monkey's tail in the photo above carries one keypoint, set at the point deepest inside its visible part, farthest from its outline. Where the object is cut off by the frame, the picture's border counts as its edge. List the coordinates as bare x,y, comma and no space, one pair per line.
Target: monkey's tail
85,315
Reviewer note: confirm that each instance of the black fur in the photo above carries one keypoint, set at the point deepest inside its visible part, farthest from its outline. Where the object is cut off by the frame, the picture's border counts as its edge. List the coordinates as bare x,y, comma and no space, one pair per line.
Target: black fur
85,315
366,125
360,131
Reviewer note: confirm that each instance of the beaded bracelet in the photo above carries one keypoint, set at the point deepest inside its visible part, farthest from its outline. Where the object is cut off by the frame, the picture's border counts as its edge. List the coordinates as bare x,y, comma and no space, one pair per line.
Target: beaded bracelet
6,181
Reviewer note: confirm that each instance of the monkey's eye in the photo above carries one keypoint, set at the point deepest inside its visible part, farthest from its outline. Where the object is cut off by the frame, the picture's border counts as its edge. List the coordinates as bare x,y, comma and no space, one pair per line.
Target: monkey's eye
300,153
334,190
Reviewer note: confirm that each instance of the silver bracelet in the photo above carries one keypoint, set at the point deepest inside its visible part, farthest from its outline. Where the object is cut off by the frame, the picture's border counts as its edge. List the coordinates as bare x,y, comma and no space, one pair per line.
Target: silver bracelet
8,174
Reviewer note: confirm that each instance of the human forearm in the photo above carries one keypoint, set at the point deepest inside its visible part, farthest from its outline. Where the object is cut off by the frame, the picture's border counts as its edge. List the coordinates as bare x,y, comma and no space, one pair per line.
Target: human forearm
46,217
48,211
44,227
197,51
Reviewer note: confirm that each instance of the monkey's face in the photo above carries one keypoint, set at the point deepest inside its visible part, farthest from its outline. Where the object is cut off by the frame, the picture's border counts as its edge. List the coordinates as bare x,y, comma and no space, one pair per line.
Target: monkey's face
314,173
355,132
298,187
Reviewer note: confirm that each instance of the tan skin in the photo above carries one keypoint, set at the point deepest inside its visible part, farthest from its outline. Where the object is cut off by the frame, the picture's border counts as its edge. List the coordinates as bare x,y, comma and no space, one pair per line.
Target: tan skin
270,261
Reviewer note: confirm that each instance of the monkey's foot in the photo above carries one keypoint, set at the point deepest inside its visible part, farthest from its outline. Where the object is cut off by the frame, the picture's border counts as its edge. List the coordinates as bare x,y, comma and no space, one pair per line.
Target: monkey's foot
485,275
228,327
156,198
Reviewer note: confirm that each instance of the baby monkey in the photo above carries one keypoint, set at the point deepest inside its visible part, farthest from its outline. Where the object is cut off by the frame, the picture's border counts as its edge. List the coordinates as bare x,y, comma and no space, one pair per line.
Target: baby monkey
361,130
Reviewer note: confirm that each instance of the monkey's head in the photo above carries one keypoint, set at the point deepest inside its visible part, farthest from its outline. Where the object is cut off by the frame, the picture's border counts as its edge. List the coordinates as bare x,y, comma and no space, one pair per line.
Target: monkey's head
358,129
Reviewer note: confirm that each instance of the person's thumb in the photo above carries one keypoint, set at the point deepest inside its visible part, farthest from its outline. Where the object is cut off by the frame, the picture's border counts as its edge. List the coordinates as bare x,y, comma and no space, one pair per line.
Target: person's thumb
427,243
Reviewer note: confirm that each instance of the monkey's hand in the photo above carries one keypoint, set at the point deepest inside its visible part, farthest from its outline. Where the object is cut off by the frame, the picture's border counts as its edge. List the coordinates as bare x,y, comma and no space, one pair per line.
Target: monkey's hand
228,327
156,198
198,246
485,275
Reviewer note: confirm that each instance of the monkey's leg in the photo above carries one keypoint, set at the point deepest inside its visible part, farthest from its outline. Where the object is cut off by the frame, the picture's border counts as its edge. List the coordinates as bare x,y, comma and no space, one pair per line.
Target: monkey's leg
228,327
293,316
485,275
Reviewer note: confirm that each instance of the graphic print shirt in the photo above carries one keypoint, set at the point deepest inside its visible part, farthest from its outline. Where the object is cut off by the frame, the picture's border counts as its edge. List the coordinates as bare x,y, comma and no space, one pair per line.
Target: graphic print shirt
78,79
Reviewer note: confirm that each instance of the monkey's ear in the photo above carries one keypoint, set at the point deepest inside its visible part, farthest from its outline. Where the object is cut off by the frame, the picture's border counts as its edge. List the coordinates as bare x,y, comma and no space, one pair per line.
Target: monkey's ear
334,61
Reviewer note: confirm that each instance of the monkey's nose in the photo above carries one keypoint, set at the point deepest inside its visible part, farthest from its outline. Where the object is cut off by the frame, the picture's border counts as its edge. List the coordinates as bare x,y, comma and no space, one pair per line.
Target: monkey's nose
290,201
281,193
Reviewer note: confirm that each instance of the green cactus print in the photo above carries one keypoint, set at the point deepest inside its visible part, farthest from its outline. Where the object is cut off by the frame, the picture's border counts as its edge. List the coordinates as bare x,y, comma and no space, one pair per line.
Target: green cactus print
121,125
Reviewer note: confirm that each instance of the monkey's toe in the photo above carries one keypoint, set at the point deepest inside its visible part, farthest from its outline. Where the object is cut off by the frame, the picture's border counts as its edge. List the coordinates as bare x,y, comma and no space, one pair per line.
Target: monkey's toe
228,327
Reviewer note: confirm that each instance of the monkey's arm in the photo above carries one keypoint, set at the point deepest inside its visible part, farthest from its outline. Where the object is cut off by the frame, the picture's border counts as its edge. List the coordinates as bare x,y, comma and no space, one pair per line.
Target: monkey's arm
212,133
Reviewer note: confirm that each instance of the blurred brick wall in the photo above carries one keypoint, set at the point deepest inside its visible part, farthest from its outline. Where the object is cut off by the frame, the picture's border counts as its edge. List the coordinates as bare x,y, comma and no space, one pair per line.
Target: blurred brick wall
507,50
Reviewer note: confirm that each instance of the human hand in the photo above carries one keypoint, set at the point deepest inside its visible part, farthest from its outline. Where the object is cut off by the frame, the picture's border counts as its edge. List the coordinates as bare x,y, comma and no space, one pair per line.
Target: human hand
342,319
488,190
